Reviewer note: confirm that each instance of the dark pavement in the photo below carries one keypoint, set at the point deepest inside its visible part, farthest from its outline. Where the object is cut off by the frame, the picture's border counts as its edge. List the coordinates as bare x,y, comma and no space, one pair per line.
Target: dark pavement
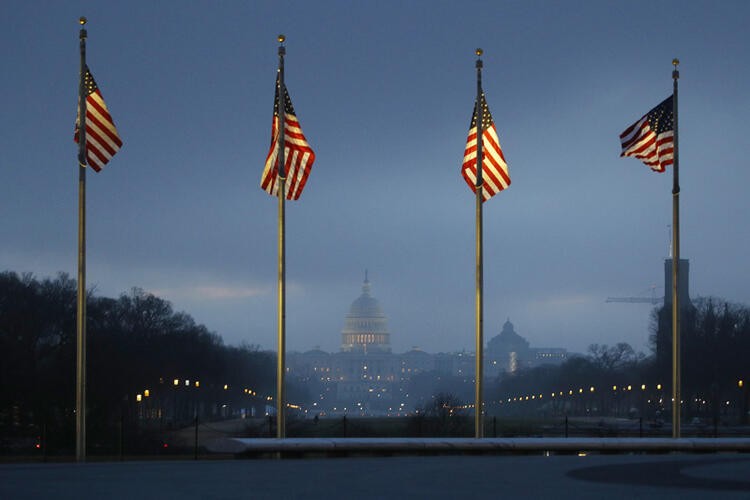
683,476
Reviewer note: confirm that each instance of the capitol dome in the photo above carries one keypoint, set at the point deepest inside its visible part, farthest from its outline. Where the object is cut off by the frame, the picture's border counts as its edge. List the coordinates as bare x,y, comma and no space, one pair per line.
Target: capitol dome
365,327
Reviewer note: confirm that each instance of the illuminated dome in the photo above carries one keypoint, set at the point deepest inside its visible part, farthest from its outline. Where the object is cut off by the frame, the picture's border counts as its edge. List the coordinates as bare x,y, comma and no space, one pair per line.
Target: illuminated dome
508,340
365,327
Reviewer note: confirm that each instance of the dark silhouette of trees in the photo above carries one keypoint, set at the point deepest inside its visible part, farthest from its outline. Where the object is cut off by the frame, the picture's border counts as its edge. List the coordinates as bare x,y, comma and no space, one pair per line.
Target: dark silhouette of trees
443,414
444,405
606,381
136,342
37,335
715,342
620,356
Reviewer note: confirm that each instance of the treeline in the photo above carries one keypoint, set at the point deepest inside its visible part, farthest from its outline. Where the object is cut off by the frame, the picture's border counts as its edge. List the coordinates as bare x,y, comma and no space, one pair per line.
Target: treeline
715,351
592,384
617,381
138,347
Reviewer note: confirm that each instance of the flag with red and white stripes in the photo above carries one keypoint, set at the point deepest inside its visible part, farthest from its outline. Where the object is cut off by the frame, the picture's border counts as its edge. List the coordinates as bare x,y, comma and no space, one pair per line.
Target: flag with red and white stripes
495,175
102,139
651,138
298,155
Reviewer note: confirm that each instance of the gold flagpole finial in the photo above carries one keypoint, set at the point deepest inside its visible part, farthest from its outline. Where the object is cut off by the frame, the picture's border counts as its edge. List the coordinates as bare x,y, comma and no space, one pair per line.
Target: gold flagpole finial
281,38
82,20
479,52
675,62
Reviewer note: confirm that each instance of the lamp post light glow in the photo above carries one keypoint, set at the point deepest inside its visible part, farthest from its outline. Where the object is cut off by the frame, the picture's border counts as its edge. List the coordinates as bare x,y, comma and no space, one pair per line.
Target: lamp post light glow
176,382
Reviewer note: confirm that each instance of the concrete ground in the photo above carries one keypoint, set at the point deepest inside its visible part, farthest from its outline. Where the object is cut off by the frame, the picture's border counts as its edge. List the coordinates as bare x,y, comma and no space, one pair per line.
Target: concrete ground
683,476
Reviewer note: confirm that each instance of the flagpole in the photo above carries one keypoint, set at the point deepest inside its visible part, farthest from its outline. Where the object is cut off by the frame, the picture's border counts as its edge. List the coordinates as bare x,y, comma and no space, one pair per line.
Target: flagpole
676,389
280,366
478,403
81,296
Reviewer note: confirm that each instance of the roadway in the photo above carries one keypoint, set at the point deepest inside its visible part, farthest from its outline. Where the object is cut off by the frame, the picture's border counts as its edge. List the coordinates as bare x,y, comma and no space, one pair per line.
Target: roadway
664,476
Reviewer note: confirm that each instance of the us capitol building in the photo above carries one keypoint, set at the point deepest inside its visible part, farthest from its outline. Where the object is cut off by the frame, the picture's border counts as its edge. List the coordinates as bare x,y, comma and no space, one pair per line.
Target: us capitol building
365,377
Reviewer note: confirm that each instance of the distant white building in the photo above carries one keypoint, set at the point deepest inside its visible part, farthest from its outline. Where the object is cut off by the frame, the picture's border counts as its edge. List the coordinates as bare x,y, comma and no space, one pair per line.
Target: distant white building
366,377
509,352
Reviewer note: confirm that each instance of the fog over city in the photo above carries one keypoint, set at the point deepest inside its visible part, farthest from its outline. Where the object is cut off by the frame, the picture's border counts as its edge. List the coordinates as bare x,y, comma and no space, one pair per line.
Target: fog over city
384,93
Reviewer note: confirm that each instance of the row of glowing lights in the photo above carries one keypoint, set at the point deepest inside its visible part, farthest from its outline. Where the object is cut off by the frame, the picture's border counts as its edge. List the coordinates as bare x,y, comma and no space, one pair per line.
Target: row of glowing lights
176,383
360,408
250,392
571,392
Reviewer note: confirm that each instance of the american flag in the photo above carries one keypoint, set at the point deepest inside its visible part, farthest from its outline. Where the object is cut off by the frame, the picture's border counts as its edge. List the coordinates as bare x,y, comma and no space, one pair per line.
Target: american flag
102,139
495,175
651,139
298,155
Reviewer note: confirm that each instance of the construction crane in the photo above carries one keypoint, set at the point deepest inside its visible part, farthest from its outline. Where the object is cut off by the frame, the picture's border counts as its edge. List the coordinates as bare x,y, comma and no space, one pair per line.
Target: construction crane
653,299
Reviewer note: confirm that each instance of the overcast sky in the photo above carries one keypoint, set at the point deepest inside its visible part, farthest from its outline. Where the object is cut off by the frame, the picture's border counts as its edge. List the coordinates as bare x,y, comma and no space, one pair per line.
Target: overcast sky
384,91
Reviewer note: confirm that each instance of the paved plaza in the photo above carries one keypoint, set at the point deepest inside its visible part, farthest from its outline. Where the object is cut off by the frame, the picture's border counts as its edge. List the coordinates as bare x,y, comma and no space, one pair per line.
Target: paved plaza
683,476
